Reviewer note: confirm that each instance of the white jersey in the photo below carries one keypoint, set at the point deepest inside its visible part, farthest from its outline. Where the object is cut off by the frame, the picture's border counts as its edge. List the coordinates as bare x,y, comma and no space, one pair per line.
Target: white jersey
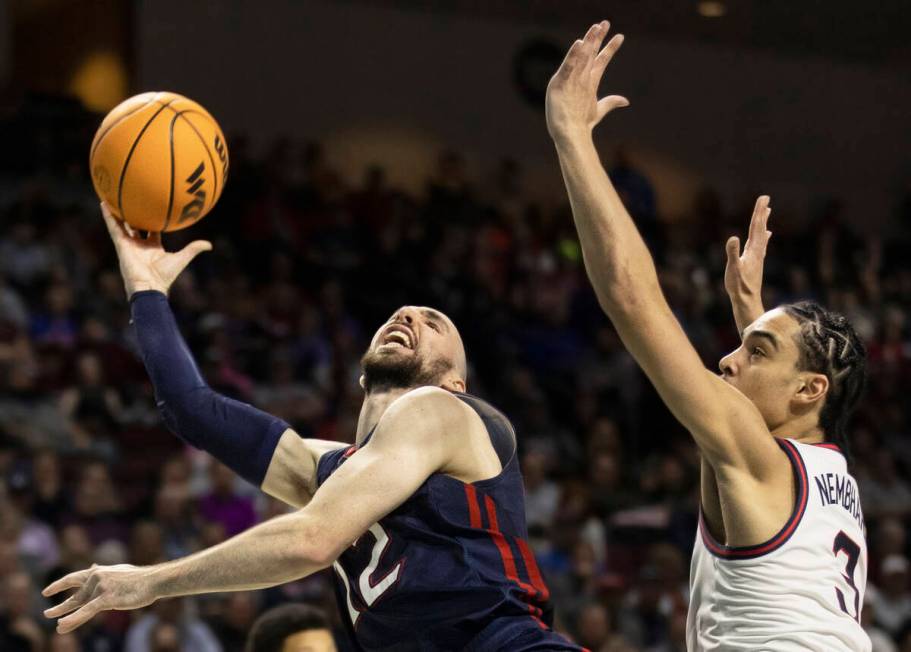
800,590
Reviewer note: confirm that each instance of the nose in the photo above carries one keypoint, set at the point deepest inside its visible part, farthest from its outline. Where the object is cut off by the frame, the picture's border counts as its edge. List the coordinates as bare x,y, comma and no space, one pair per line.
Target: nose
726,365
404,315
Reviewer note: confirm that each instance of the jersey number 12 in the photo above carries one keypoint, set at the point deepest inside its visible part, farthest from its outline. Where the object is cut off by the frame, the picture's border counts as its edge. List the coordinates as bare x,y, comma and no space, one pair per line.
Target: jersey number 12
369,589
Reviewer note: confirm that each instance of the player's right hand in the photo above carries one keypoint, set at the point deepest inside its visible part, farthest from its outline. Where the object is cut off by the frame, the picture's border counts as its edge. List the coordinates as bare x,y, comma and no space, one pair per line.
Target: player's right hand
100,588
572,106
144,264
743,272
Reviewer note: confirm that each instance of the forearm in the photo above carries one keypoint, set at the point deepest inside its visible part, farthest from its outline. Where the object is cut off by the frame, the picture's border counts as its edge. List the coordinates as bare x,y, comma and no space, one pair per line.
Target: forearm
617,260
747,308
271,553
237,434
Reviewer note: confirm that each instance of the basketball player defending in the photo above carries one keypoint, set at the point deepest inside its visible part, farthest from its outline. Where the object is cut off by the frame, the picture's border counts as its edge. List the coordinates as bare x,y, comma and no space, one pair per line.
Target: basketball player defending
780,560
423,520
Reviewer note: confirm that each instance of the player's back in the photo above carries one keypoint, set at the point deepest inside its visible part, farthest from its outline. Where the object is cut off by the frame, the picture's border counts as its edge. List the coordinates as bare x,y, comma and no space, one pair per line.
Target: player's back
802,589
449,568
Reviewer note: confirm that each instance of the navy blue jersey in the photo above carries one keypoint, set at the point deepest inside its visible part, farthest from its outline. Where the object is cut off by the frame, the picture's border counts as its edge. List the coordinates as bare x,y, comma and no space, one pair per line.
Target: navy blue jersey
450,568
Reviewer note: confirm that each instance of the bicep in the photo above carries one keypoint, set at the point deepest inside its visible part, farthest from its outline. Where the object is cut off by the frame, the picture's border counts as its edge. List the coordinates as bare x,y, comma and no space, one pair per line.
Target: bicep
725,424
369,485
291,476
418,435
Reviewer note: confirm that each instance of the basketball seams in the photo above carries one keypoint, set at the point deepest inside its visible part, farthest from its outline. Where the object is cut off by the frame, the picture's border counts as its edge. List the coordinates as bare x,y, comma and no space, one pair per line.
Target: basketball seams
167,217
116,122
126,162
205,146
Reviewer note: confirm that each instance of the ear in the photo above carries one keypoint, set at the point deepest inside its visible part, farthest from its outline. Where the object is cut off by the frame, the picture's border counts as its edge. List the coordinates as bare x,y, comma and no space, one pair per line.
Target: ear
453,384
813,387
362,382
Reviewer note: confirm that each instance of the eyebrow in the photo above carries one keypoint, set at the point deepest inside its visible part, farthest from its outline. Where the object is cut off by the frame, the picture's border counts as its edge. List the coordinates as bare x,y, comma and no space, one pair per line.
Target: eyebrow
766,335
434,316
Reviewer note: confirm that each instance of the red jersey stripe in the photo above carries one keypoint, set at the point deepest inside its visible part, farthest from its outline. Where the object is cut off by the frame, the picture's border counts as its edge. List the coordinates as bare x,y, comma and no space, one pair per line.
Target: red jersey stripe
509,561
532,567
474,510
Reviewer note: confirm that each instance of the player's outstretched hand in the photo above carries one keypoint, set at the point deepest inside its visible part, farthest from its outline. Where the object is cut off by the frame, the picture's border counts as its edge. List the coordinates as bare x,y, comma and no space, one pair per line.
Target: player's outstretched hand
743,272
144,264
572,103
99,588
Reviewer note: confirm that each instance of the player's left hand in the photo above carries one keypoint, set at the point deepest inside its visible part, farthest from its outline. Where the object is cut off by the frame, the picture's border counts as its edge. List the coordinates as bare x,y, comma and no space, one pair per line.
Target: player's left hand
572,103
743,271
144,264
99,588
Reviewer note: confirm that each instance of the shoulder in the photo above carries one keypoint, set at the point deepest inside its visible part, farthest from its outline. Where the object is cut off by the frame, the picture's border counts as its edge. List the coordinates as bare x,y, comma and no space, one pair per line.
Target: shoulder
427,412
434,403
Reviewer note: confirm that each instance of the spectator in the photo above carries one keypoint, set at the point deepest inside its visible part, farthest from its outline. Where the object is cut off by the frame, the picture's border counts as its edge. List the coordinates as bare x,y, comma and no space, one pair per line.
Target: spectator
20,615
542,495
593,626
291,628
891,600
223,505
170,626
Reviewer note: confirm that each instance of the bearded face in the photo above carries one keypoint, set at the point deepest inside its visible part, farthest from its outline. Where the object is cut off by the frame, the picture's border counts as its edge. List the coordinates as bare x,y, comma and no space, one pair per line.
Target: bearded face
413,349
383,371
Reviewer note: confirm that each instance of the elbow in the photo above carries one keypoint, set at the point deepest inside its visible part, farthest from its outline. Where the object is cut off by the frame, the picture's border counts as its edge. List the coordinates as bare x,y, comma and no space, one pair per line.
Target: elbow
627,294
317,550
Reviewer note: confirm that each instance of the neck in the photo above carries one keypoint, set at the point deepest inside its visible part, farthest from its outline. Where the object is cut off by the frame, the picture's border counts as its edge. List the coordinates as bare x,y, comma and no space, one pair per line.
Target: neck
375,404
804,429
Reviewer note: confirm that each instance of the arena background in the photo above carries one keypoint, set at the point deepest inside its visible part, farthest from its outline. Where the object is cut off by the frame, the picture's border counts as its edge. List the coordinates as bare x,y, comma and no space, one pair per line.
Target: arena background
395,152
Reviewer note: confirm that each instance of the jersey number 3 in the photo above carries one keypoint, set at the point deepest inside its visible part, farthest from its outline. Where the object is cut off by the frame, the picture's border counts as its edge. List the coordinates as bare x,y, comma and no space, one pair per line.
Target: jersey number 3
844,543
369,589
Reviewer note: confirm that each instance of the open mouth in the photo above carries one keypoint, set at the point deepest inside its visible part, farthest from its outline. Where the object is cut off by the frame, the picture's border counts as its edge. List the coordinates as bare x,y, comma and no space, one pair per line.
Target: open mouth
398,337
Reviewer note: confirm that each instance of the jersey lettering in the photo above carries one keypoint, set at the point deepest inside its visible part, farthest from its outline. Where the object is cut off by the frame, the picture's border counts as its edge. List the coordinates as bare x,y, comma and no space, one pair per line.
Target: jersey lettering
370,590
844,543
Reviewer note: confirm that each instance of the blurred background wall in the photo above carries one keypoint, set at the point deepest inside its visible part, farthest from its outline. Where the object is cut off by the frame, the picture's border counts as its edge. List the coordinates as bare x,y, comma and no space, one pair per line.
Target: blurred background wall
387,84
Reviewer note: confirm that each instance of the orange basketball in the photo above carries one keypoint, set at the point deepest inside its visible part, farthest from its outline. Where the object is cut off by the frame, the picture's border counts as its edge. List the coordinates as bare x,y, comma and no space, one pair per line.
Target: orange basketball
160,161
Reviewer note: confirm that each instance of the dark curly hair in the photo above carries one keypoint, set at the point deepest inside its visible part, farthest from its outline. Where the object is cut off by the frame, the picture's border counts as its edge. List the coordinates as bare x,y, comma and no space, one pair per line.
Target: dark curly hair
272,628
829,345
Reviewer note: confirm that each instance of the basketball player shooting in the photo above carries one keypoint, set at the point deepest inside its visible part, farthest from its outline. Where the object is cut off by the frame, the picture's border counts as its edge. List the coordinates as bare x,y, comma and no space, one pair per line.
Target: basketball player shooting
780,561
423,520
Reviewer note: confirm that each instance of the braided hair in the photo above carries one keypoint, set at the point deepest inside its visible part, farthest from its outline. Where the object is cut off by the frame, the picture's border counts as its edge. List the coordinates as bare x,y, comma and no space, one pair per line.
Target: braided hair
829,345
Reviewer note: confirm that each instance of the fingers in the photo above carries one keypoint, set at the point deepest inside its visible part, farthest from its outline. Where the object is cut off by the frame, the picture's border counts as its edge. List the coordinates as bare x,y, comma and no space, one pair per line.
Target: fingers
191,251
760,218
593,38
68,605
570,61
605,55
81,616
732,247
70,581
609,103
583,51
115,226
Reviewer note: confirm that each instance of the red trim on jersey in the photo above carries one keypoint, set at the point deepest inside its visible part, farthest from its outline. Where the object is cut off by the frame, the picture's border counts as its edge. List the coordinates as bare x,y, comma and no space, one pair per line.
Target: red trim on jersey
830,446
474,510
532,567
800,506
348,453
509,560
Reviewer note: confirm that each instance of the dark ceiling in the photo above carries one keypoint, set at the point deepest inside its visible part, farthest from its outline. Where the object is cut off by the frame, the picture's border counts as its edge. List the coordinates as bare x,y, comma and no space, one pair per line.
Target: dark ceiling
871,32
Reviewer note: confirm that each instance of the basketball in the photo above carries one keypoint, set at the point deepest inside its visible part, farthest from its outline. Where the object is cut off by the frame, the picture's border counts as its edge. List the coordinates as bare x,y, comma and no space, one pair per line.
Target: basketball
160,161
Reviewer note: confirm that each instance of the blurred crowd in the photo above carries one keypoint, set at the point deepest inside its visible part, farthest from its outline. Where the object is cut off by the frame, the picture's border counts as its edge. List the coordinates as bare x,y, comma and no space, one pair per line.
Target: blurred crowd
305,268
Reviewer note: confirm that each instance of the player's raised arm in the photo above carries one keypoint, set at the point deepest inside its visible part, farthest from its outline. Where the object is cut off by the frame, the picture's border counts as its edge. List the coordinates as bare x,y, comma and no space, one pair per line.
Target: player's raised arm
727,426
743,272
261,448
419,434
